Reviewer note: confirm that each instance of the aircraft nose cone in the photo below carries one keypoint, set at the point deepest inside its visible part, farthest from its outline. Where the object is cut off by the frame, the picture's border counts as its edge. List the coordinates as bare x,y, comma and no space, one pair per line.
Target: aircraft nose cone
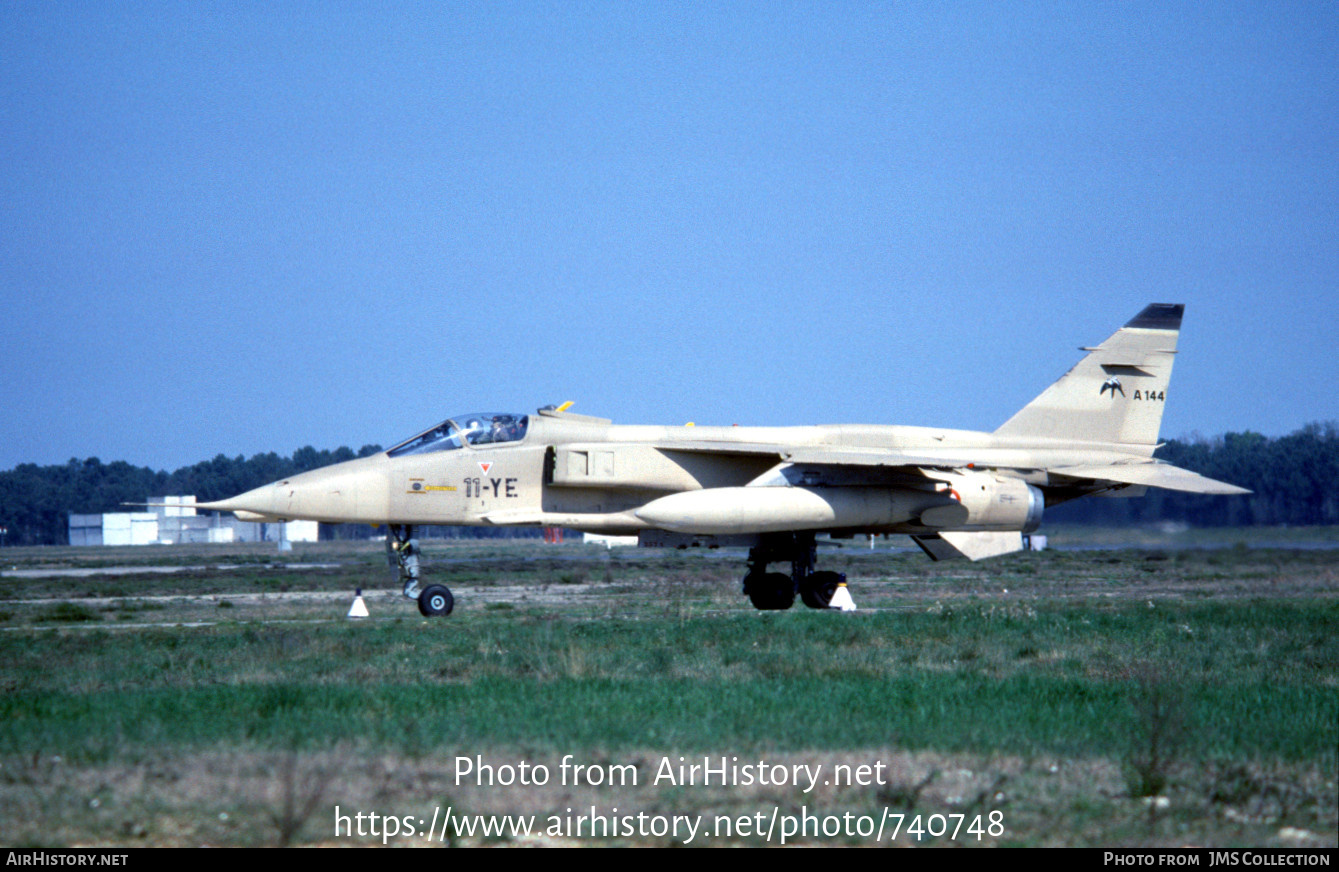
254,505
338,494
349,492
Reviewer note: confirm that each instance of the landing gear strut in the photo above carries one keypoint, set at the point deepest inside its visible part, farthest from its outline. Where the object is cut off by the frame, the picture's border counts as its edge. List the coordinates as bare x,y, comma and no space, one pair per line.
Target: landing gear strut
774,590
402,555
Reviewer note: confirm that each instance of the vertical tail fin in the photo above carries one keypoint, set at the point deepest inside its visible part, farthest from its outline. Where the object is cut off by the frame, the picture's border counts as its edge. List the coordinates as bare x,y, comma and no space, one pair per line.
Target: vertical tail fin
1114,394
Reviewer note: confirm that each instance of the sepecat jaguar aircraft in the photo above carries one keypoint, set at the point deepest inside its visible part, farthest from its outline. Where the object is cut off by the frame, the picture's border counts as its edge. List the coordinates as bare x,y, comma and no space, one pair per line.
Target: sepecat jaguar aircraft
956,493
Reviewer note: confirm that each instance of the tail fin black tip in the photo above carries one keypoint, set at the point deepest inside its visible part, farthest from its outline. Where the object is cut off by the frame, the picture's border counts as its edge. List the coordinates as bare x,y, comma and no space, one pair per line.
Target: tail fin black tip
1159,316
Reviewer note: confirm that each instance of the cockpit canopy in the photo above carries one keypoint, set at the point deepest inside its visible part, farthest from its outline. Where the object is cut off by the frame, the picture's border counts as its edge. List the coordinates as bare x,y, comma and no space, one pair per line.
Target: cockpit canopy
475,428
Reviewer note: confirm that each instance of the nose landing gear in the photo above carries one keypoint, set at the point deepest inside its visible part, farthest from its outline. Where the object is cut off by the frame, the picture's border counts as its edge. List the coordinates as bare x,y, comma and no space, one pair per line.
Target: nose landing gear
402,551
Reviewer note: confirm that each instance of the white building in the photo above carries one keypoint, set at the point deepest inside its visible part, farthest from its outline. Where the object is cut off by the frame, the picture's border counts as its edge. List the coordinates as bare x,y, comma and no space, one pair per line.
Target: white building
173,521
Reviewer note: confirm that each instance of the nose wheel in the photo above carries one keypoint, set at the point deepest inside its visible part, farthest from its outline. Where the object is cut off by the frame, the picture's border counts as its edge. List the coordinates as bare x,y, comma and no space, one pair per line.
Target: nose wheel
436,601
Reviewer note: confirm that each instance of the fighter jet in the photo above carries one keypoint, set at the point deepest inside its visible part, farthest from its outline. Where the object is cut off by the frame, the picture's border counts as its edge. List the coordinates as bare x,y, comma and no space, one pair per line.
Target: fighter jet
956,493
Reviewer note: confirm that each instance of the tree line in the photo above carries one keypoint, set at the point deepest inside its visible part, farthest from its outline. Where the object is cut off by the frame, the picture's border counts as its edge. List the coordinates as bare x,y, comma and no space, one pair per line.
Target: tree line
1295,479
36,501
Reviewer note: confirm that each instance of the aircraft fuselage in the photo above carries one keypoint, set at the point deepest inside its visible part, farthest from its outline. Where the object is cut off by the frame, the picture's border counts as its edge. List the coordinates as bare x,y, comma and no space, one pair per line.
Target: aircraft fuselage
595,476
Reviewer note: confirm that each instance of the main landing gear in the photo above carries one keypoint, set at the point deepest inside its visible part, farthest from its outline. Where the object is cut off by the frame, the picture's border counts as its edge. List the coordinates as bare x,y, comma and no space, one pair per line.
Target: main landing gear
770,591
435,600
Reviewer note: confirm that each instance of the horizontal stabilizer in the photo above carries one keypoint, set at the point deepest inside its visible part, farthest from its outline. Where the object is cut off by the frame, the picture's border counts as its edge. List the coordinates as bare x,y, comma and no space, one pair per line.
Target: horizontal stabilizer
1162,475
973,546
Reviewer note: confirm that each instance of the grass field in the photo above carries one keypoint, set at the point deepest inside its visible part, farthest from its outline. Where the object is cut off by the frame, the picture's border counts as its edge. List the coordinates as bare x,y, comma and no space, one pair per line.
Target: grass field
1153,695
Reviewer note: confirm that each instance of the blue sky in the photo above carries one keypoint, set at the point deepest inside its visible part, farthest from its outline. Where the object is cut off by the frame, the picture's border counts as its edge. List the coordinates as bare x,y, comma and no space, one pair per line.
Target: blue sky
243,227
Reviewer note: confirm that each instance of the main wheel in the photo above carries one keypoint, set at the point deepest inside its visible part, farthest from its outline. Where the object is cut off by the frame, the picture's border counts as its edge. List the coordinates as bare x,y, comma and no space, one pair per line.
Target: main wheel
816,591
435,601
770,592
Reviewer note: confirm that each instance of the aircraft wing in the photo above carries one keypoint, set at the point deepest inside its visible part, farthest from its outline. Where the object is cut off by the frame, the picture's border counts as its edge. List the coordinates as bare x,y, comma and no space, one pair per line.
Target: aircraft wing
842,457
820,455
1149,474
1162,475
757,449
830,465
